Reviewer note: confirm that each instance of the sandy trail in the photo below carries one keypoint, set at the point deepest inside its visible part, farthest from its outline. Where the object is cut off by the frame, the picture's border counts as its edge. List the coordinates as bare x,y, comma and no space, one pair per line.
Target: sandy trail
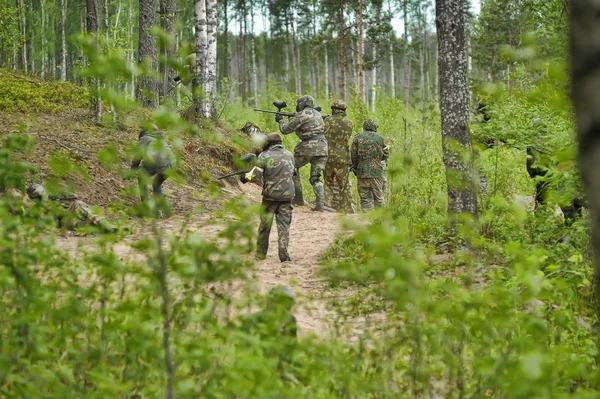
311,234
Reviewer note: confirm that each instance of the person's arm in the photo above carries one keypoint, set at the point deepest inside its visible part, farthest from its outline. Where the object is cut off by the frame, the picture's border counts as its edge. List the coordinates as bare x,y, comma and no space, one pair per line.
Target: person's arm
293,124
386,151
354,155
256,171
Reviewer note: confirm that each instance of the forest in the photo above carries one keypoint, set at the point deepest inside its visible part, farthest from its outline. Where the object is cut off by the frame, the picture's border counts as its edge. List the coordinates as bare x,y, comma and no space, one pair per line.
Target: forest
478,278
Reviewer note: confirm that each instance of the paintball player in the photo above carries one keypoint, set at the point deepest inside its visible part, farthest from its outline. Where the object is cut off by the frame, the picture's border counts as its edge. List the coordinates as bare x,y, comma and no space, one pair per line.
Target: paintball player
78,213
368,150
309,126
276,165
155,157
338,130
276,320
189,65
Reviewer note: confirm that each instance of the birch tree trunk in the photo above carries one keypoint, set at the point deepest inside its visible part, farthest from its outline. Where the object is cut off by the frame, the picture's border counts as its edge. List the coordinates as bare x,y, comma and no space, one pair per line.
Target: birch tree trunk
254,69
117,19
297,70
360,51
374,80
201,22
585,49
21,26
43,34
342,53
211,59
63,59
147,53
326,73
288,47
106,22
454,106
407,55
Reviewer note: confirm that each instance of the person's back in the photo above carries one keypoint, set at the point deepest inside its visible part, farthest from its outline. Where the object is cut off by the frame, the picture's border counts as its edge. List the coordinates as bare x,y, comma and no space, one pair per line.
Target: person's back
338,130
367,154
278,171
157,155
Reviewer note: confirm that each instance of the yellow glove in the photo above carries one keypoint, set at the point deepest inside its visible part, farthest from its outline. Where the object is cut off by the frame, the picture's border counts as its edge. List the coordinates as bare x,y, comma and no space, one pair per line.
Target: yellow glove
250,174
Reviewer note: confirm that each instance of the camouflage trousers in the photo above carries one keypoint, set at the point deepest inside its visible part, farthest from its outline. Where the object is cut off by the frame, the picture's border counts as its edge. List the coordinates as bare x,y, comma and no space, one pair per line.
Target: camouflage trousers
80,214
282,211
371,193
317,165
157,183
338,188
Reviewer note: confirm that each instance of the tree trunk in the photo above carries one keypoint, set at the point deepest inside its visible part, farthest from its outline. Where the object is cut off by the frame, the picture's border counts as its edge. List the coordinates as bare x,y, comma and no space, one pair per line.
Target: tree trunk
21,26
422,75
106,22
374,80
93,24
240,57
168,8
585,47
296,57
117,19
454,106
43,34
254,69
201,54
392,69
407,56
63,59
360,50
326,73
226,58
342,54
288,47
147,53
211,58
130,43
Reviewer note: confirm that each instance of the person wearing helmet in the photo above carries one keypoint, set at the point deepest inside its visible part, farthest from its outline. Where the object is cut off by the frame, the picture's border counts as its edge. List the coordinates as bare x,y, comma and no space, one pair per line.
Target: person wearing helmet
77,213
308,124
338,130
276,167
155,157
368,150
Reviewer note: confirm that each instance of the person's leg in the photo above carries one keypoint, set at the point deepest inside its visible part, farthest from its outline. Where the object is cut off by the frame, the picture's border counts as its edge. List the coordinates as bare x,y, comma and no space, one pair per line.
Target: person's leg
330,186
317,165
159,179
143,188
365,194
284,221
299,161
343,181
264,229
377,188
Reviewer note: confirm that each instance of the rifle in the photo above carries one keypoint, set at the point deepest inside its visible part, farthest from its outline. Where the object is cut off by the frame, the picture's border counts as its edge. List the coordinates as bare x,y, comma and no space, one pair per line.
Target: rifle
249,160
280,105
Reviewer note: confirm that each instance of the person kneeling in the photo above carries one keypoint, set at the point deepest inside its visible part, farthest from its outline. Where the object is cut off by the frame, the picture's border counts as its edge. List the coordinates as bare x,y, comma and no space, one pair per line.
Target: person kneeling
276,164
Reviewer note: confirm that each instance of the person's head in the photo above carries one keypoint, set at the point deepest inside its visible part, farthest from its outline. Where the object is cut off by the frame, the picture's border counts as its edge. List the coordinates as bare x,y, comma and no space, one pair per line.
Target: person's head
273,139
280,298
339,107
303,102
36,192
370,125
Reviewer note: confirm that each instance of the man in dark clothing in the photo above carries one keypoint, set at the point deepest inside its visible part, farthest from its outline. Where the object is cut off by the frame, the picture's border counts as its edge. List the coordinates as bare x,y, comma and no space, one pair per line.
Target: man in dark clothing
368,150
276,165
156,157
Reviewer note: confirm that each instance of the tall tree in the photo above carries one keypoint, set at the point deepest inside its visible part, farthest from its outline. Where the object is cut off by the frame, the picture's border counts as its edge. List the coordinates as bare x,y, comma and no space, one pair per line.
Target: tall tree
168,8
22,34
211,59
342,51
93,24
63,41
361,51
454,106
585,49
147,54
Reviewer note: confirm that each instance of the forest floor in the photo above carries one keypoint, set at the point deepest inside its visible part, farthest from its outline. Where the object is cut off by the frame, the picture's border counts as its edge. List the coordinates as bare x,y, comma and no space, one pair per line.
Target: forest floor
311,234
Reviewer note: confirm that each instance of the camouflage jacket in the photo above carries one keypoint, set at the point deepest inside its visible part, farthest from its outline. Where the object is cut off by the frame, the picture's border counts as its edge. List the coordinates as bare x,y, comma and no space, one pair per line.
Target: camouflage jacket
277,166
368,150
154,153
307,124
338,130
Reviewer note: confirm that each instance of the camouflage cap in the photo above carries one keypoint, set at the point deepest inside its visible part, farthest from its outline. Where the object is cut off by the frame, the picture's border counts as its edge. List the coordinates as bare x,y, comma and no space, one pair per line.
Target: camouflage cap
339,104
36,191
370,125
274,138
305,101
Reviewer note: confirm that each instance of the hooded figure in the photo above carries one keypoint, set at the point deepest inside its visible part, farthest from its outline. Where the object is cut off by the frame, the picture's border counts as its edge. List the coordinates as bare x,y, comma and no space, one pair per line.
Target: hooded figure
308,124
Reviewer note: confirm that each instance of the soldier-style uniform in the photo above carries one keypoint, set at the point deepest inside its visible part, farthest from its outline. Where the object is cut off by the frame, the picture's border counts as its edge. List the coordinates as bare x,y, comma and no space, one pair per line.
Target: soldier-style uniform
368,150
156,158
276,165
338,130
78,213
309,126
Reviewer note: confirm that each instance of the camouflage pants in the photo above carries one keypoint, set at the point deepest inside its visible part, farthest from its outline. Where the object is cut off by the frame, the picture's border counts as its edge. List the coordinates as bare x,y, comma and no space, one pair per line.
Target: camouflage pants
282,211
338,188
371,193
80,214
157,183
317,165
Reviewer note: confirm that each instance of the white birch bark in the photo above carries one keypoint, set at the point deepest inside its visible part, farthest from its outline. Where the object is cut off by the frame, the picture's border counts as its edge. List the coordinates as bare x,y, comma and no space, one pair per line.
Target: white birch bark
374,80
254,71
326,73
201,47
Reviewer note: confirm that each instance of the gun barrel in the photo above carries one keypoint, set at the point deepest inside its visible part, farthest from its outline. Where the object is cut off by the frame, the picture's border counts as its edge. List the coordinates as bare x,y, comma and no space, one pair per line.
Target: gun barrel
239,172
273,112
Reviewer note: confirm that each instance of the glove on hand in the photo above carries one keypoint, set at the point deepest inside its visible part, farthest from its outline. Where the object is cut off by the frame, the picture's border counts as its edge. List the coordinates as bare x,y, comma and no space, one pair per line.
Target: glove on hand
243,178
278,117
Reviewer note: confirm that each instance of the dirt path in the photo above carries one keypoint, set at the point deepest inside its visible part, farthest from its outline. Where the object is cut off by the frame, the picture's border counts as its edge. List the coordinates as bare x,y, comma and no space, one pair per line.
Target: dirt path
311,234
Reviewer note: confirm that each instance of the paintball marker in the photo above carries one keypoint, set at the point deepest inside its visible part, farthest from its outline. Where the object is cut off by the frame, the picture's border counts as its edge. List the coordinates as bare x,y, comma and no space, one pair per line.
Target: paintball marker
248,160
280,105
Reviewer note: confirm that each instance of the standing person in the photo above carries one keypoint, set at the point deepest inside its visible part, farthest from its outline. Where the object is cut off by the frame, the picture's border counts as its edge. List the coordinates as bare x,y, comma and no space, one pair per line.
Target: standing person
338,130
156,158
368,150
309,126
276,164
